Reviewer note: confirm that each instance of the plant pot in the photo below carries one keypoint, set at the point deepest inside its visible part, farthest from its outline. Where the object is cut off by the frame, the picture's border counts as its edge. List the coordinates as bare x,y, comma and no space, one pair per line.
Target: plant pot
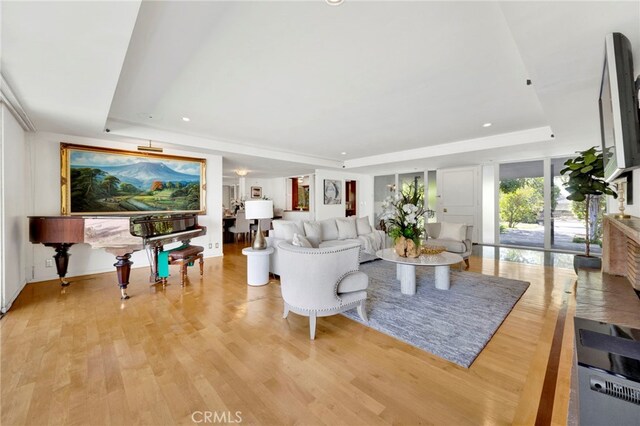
406,248
581,261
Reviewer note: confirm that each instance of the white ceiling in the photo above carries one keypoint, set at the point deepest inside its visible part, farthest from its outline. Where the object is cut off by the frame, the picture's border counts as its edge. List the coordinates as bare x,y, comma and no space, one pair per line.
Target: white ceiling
396,85
63,59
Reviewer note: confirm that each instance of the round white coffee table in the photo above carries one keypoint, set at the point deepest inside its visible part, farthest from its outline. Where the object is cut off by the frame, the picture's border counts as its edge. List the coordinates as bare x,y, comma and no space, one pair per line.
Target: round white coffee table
406,268
257,265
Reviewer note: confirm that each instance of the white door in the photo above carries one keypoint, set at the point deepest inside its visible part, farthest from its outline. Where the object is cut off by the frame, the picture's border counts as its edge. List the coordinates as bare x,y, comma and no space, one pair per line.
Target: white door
459,197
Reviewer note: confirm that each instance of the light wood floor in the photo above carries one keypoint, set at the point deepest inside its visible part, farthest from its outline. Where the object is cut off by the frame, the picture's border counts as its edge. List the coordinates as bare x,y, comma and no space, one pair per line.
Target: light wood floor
81,356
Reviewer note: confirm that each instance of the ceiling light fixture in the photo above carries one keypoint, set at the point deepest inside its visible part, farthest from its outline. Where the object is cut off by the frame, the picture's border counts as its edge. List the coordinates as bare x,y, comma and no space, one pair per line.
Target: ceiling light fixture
187,119
343,153
149,148
334,2
486,125
241,172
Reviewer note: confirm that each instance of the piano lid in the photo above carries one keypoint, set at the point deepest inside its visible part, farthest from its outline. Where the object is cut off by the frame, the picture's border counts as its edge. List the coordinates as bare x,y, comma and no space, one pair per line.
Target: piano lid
154,225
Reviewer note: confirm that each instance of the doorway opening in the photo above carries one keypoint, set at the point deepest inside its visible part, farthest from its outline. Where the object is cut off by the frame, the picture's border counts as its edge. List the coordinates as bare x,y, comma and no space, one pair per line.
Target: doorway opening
298,193
351,198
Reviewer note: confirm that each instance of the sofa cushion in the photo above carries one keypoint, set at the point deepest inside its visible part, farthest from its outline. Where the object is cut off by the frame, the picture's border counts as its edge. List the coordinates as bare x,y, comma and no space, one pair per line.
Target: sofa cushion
284,229
329,229
301,241
453,231
353,282
372,242
346,229
452,246
363,226
313,232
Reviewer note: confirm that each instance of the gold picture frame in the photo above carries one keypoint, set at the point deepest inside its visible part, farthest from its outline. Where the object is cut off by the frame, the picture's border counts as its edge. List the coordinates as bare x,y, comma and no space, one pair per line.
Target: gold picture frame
106,181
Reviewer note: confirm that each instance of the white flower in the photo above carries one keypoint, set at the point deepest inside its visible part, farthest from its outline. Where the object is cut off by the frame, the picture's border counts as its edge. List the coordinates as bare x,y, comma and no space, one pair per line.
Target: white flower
410,219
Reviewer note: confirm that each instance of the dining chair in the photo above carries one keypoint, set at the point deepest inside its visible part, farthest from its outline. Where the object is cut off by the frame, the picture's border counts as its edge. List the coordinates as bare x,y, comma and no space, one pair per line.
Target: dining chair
241,226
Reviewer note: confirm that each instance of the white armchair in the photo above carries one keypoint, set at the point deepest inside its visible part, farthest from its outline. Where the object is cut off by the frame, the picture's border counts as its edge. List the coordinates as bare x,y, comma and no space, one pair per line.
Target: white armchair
460,244
318,282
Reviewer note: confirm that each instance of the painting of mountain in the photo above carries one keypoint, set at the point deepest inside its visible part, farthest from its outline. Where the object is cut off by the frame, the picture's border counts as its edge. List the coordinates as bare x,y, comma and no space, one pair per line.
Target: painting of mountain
100,180
144,173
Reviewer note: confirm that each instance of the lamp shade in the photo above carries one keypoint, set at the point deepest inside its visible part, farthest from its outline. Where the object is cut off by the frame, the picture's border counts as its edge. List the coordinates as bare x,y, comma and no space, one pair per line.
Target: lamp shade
258,209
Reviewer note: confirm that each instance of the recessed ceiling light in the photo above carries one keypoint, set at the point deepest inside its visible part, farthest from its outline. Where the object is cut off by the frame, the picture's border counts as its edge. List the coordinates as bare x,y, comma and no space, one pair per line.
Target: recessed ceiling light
334,2
186,119
486,125
343,153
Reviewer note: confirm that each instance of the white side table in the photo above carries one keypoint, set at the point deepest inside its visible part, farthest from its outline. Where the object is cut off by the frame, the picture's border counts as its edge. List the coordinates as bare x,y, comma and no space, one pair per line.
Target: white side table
257,265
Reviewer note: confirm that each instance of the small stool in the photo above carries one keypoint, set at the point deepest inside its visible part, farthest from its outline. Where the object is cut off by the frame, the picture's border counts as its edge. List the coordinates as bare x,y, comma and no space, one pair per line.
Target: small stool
184,257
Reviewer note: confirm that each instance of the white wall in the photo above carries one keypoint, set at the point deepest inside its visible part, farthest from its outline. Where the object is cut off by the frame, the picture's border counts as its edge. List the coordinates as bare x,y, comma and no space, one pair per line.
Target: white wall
45,187
273,188
365,194
13,207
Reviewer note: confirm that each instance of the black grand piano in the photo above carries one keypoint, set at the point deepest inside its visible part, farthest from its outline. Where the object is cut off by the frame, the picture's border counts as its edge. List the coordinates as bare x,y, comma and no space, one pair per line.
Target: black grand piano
118,235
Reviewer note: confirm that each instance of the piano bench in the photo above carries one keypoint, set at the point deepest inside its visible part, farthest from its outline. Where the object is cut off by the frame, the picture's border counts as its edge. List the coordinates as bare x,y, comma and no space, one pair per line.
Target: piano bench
184,257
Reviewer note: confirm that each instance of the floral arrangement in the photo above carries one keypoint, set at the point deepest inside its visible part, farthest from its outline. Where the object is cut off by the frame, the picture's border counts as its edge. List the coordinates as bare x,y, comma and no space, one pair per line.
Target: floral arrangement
237,204
403,213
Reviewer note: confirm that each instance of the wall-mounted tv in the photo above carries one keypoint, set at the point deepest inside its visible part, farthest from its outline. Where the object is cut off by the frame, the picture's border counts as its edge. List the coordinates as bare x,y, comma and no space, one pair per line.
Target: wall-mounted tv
619,115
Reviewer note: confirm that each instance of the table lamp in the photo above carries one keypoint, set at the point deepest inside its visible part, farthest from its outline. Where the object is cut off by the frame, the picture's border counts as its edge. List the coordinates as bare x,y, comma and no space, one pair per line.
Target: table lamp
259,209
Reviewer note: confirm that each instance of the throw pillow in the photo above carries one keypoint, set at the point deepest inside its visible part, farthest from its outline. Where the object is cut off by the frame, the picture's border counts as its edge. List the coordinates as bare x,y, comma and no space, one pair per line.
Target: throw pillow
346,229
313,231
284,230
329,229
300,241
363,226
453,231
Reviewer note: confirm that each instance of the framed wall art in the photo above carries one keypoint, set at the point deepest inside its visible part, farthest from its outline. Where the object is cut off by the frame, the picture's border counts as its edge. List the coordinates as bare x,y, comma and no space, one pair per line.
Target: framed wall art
256,192
332,191
109,181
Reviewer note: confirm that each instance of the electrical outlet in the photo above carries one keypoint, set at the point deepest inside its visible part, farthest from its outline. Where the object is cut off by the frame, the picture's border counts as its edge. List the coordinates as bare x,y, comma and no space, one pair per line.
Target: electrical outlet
48,263
210,245
217,245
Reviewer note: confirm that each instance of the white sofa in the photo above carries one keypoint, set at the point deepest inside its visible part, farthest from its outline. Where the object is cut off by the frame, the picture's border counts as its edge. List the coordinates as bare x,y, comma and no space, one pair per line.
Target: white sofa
325,233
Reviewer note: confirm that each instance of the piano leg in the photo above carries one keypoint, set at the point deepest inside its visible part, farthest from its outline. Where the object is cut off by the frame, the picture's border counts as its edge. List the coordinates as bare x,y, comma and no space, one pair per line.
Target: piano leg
153,278
62,260
123,270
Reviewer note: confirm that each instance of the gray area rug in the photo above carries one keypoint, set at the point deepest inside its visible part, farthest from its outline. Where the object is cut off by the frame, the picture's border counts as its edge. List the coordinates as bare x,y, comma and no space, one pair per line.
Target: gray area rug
454,324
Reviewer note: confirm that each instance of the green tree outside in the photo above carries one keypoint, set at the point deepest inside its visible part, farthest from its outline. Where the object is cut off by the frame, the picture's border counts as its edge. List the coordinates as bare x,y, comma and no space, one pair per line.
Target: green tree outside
520,206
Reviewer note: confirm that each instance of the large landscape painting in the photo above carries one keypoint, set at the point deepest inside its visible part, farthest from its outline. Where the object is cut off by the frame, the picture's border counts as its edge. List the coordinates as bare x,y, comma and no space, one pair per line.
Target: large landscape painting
106,181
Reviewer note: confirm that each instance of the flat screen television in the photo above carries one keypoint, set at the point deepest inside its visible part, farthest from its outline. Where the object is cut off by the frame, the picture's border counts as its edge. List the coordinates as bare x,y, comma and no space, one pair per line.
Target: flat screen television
619,116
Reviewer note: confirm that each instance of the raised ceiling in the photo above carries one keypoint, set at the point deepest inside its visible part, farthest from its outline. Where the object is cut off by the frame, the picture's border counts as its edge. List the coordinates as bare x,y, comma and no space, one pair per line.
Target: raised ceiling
299,83
365,78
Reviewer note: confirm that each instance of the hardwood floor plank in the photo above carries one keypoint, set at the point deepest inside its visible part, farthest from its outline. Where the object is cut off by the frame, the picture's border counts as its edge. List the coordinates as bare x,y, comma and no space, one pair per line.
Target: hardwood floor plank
79,355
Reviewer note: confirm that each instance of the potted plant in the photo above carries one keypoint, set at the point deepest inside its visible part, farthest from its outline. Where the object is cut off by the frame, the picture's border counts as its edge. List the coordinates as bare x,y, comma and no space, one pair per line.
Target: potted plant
586,181
403,216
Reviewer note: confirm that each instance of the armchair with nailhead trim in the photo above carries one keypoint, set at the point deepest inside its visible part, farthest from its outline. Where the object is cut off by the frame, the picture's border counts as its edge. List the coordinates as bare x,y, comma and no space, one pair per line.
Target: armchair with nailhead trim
318,282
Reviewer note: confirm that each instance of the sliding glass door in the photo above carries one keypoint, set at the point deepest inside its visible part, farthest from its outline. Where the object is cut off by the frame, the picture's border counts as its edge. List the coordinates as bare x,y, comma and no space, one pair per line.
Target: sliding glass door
533,210
568,225
521,204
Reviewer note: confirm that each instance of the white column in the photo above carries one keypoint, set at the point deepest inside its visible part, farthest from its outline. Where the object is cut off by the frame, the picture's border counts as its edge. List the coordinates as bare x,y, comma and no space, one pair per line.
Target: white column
546,187
488,205
242,188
